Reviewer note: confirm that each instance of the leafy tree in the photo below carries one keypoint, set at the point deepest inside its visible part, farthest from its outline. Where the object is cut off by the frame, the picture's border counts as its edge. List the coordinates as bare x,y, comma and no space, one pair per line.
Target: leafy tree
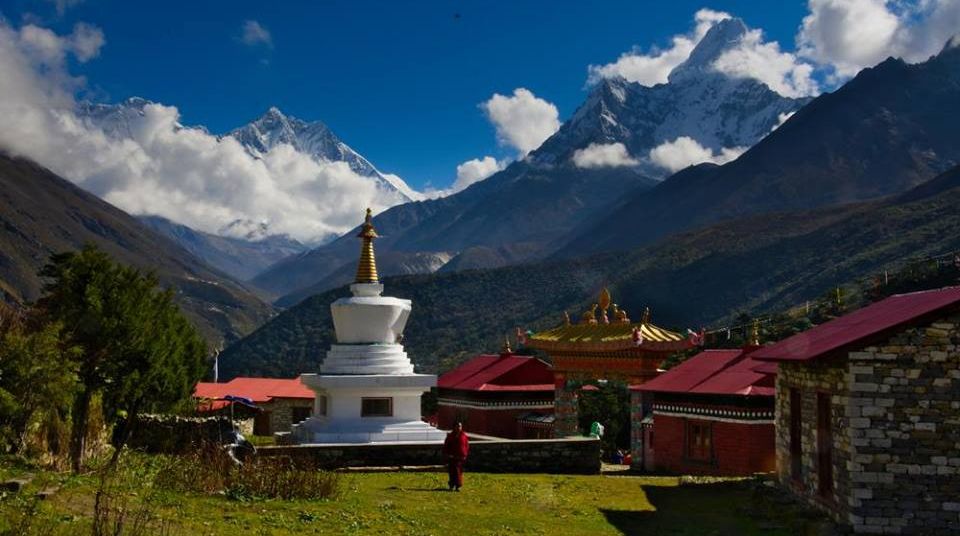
37,379
136,349
609,405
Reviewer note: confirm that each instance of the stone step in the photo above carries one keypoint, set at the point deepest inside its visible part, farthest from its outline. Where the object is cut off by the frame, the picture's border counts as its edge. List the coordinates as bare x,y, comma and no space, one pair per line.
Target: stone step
16,484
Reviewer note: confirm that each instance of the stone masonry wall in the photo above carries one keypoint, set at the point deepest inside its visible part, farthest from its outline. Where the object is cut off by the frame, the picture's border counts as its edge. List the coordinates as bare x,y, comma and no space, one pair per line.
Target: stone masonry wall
905,432
281,412
558,456
810,379
898,431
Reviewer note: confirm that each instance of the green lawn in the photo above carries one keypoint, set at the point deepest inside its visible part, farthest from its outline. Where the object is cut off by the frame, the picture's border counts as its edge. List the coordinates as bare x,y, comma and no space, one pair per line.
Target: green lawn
418,503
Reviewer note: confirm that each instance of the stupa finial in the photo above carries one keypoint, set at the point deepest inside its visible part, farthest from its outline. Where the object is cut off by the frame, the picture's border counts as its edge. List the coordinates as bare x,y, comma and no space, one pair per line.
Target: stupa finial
367,267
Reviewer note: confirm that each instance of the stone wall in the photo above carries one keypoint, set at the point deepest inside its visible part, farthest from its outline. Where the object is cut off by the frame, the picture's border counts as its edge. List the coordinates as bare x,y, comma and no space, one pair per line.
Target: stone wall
811,379
897,431
281,412
171,434
558,456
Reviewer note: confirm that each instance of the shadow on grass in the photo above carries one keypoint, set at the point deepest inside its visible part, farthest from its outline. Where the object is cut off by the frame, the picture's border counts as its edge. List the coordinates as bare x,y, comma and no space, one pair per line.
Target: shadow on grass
714,509
397,488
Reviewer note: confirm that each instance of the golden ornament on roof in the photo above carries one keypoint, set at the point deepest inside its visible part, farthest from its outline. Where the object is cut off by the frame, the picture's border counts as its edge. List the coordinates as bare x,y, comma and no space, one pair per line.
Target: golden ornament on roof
620,315
645,319
590,315
604,301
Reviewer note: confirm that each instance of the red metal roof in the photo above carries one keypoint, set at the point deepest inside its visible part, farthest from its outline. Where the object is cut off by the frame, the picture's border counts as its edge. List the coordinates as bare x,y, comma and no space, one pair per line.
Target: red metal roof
860,326
715,372
256,389
506,372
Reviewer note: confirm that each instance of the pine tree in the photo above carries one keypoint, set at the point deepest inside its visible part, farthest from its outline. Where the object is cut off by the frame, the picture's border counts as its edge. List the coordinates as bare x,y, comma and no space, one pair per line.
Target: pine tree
136,349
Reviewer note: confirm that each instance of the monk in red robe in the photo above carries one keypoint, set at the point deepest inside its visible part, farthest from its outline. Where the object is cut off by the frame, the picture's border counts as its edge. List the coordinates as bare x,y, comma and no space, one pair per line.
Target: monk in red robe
455,448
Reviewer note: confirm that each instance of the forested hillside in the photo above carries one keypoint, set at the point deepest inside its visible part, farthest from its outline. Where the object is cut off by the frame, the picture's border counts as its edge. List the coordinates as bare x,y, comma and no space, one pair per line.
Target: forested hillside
759,265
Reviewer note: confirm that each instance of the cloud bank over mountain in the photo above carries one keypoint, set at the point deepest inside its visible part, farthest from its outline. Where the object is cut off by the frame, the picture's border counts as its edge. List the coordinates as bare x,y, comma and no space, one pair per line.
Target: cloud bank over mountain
163,168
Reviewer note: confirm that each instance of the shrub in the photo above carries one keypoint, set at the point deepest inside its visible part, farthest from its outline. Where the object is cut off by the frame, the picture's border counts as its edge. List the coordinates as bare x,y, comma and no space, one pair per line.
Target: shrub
210,469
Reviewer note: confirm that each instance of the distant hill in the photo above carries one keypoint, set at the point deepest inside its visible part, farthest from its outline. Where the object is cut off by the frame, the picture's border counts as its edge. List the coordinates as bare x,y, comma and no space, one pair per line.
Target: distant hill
892,127
42,214
240,259
529,209
757,264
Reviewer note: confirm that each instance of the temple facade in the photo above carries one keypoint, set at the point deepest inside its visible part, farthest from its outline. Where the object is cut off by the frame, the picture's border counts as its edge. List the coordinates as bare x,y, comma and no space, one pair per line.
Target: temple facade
366,391
604,346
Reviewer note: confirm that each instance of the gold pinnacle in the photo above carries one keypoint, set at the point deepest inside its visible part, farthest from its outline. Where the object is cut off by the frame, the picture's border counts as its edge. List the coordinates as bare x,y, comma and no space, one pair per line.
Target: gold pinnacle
367,267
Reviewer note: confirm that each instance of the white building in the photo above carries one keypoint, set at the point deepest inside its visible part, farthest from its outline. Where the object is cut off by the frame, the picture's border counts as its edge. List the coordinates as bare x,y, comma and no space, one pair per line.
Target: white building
367,391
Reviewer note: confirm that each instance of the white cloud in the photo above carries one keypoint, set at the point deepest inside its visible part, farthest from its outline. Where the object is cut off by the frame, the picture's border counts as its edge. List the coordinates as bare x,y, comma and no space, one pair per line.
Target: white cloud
781,119
848,35
184,174
764,61
685,151
655,66
523,121
47,48
597,155
253,34
475,170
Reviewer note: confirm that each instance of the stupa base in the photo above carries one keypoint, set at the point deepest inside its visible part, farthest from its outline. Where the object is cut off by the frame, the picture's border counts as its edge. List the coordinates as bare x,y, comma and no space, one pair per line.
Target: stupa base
318,432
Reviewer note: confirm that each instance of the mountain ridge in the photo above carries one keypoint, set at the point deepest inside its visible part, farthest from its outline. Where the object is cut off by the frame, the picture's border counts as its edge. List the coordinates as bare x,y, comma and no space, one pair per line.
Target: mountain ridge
536,202
758,264
42,213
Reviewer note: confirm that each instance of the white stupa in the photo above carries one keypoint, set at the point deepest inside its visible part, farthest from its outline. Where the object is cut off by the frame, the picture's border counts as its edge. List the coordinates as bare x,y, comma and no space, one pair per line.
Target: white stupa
366,391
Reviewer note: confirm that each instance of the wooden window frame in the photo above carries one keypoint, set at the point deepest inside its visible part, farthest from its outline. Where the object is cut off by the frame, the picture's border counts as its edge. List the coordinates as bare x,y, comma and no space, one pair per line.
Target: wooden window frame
365,399
825,450
690,453
795,427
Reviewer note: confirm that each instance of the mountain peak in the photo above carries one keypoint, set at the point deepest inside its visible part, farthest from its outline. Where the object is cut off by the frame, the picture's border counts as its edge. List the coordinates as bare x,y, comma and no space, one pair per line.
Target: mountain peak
720,38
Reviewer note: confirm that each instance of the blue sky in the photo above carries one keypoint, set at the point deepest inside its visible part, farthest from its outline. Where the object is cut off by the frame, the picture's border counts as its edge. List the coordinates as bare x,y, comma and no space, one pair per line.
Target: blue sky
399,81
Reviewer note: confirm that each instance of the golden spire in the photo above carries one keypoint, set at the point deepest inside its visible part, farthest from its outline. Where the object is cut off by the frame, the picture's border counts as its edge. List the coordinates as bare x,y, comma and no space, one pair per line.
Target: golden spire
566,318
604,303
506,347
645,319
755,333
367,267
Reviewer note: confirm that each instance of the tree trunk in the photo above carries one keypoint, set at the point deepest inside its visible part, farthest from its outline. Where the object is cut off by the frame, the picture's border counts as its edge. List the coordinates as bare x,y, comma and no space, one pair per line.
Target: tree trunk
78,431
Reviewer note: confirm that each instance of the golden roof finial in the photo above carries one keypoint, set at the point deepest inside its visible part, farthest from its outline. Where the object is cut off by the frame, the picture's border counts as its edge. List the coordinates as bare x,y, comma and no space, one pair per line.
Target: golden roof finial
367,267
645,319
590,315
604,303
566,318
620,315
755,333
506,347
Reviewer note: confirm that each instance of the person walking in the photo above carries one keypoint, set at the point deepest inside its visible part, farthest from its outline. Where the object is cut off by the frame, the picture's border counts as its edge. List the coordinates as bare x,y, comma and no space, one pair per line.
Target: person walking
455,448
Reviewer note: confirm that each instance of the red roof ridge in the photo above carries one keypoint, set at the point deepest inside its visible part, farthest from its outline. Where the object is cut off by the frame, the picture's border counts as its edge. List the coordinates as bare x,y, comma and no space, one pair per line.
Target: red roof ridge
862,325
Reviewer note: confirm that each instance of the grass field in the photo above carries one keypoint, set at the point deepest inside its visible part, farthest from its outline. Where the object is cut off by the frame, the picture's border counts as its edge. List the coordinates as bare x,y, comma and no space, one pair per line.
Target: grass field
418,503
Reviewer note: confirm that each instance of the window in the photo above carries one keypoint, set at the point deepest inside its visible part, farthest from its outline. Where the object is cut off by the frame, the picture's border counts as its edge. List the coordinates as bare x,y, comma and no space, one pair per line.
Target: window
796,421
699,441
300,414
376,407
824,445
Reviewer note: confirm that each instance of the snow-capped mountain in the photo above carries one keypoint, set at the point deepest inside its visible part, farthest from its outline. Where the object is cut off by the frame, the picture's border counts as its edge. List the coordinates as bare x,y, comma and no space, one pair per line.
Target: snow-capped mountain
716,110
317,140
529,210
